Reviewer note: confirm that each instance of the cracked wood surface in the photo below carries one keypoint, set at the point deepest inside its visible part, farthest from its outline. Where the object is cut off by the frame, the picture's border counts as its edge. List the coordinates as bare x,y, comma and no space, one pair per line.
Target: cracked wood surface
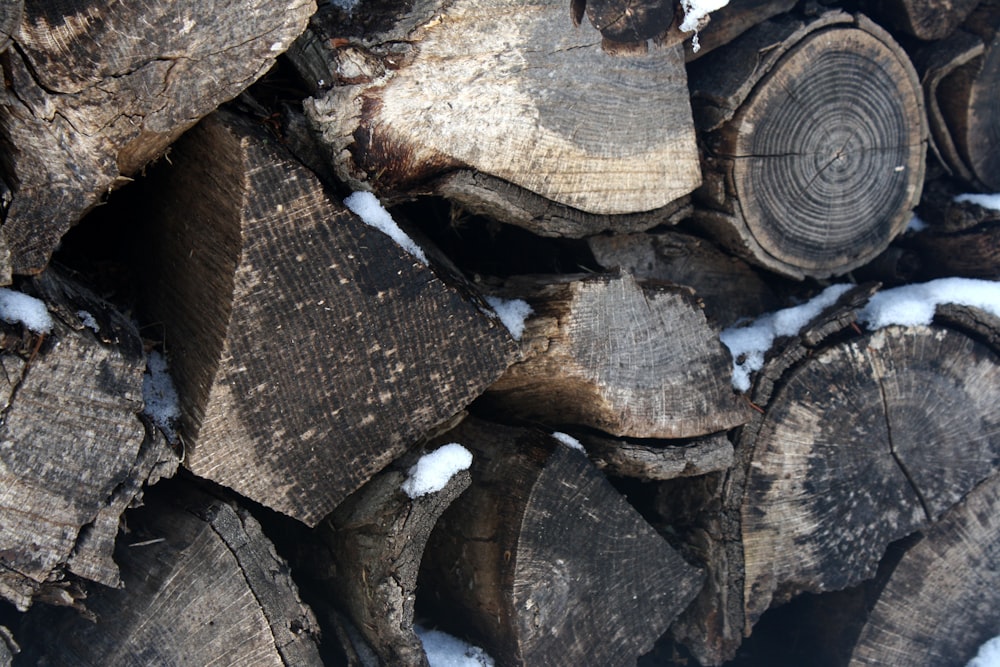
96,90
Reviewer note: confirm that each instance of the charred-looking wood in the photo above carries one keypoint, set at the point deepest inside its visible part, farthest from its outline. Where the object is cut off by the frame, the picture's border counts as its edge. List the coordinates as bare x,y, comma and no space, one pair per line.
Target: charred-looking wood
862,440
202,584
542,556
815,142
309,349
631,359
512,89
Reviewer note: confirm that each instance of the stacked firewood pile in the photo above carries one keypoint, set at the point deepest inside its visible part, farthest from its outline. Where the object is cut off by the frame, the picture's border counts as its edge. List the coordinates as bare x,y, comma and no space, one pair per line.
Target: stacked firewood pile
454,298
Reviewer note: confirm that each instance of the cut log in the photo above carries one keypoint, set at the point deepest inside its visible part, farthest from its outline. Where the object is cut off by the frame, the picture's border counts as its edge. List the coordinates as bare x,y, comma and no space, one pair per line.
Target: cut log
924,19
202,586
815,143
941,602
511,89
546,561
93,94
728,287
73,449
309,349
729,22
629,359
960,239
659,460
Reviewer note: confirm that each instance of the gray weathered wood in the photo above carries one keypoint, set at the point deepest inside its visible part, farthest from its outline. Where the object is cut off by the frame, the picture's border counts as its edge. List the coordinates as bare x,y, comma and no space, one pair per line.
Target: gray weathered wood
659,460
630,359
93,92
309,349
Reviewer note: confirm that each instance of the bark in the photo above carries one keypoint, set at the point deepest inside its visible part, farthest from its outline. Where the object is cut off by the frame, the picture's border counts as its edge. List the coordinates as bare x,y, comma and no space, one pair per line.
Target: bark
518,93
924,19
95,93
628,359
546,561
815,143
660,460
961,238
729,22
202,585
309,349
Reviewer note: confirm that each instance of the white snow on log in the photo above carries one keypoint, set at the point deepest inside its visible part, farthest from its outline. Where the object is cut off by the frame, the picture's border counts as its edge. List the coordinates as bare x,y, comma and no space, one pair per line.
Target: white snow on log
913,305
18,308
443,650
434,470
159,394
569,441
988,656
88,320
694,12
986,201
371,212
512,313
915,225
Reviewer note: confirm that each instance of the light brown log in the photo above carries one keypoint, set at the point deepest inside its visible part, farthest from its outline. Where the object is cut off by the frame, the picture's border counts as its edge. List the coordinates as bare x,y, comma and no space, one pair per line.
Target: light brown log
630,359
309,349
94,92
542,562
203,585
509,89
815,143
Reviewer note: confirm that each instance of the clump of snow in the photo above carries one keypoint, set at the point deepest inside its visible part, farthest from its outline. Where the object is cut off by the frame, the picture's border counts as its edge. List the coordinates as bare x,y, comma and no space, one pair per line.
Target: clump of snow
912,305
88,320
694,12
748,344
986,201
916,225
18,308
512,312
432,471
371,212
988,656
160,395
443,650
569,441
347,5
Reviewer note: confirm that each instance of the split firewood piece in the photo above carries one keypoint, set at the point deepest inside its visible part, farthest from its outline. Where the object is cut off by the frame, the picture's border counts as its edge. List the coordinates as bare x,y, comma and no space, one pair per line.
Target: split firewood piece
660,460
729,22
940,603
727,286
202,585
74,451
376,540
960,238
816,140
92,96
511,89
924,19
309,349
633,360
542,556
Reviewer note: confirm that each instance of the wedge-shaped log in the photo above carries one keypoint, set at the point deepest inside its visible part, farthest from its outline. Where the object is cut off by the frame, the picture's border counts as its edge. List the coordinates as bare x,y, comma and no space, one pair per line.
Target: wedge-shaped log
815,143
548,563
511,89
73,451
309,349
630,359
203,585
95,91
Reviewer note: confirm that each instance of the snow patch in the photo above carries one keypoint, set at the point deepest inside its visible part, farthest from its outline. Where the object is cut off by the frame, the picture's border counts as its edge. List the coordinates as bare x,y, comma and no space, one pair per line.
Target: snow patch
512,313
347,5
88,320
986,201
694,12
988,656
434,470
915,225
569,441
372,213
18,308
163,406
913,305
443,650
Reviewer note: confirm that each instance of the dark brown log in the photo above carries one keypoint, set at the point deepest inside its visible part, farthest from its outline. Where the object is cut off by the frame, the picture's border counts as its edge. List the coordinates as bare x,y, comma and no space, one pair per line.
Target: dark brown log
94,92
309,349
727,286
924,19
74,451
729,22
630,359
519,93
940,603
961,238
815,143
10,18
546,561
203,585
660,460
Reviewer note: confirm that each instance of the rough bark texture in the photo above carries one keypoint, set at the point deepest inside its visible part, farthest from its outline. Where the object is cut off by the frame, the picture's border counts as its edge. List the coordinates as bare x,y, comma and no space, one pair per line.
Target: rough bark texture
95,91
961,238
629,359
514,90
924,19
548,563
660,460
731,21
202,584
74,451
815,147
310,350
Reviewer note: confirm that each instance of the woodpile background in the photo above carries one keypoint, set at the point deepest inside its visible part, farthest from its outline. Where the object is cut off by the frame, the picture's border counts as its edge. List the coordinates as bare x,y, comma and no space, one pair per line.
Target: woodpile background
172,182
